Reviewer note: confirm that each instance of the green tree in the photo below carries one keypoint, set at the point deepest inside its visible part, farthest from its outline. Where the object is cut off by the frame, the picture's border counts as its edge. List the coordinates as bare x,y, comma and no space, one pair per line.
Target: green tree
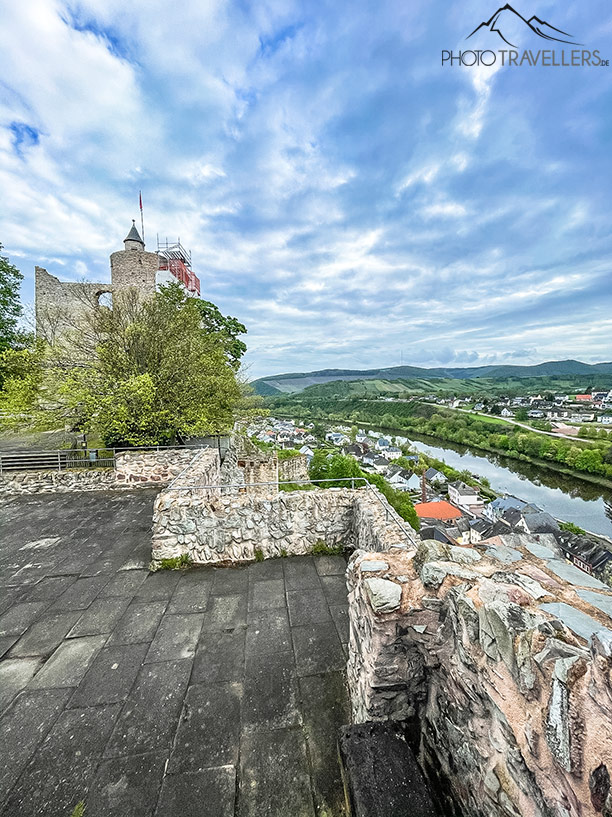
10,306
144,372
227,330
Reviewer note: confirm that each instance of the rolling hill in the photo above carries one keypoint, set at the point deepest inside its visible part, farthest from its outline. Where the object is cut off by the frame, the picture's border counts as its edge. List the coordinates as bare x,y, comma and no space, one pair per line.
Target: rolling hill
295,382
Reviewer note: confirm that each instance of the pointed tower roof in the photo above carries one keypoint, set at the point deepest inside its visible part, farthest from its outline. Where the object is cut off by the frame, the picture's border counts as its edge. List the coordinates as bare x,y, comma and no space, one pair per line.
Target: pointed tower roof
132,236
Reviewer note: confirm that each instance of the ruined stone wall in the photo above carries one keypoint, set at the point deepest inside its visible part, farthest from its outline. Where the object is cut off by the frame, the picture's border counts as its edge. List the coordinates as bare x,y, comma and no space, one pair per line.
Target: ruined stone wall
61,305
293,469
221,527
501,661
131,268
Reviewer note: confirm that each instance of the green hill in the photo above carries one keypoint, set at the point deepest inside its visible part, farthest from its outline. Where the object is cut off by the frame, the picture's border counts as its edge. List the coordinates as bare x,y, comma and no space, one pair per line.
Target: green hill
420,381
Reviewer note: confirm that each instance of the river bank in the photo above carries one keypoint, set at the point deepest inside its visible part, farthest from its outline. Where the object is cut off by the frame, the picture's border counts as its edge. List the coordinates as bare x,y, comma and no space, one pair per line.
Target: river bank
566,497
548,464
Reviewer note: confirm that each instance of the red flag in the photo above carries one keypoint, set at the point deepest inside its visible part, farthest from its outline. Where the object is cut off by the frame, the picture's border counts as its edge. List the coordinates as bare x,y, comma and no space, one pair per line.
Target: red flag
140,200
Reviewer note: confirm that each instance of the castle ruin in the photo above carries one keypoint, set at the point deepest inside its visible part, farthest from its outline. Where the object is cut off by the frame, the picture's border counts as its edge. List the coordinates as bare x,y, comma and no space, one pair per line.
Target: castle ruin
56,302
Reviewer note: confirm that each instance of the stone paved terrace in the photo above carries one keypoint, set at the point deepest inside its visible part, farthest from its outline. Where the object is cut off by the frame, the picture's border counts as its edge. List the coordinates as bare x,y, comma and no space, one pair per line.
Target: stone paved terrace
208,692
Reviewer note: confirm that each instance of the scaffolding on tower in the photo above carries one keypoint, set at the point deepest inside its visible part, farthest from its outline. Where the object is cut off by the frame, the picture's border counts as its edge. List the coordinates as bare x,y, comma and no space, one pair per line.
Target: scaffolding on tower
174,258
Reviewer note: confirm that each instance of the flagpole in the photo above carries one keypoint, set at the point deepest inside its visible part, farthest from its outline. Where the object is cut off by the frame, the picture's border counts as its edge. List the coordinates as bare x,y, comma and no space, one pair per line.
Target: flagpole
141,214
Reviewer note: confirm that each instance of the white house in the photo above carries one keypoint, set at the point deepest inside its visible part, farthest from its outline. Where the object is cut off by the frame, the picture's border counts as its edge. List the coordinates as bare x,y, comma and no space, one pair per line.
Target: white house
464,496
382,444
507,413
402,479
435,477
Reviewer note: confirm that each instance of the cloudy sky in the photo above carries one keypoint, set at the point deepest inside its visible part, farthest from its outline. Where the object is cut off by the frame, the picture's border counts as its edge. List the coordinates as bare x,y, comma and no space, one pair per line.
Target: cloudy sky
351,200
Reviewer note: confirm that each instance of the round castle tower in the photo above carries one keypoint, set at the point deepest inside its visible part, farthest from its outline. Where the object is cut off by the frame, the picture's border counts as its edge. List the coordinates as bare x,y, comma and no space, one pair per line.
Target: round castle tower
132,266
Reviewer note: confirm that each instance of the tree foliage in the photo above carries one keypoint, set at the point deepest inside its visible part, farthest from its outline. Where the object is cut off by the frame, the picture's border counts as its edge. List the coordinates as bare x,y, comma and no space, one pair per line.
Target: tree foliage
226,329
341,467
146,371
10,306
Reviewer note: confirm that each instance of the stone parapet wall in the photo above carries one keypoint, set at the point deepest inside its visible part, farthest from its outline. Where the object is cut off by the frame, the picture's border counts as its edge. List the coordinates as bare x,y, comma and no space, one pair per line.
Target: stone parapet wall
14,483
133,469
501,663
159,466
219,527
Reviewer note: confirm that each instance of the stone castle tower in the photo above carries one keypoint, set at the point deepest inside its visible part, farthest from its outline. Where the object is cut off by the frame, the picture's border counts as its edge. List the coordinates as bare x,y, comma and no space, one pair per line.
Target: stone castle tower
133,266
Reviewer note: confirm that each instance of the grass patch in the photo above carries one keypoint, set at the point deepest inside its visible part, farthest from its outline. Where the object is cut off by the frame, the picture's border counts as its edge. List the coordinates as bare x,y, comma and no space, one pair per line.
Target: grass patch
78,810
571,528
259,555
284,553
321,548
175,562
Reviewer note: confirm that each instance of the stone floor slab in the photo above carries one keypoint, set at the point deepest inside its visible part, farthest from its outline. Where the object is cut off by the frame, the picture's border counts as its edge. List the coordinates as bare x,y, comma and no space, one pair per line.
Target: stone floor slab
100,617
80,594
110,677
127,786
138,624
18,618
335,589
325,709
317,649
15,675
225,612
274,780
209,730
330,565
22,727
219,657
300,572
267,594
150,715
69,663
209,793
268,632
271,692
43,637
176,637
126,583
158,586
307,606
230,581
61,771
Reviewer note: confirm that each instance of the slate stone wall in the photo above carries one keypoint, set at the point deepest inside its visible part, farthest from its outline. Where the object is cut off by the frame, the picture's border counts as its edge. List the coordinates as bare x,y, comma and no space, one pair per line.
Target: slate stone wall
499,664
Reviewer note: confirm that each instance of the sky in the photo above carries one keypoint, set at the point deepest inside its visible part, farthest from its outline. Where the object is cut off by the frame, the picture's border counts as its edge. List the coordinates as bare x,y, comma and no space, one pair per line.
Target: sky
354,202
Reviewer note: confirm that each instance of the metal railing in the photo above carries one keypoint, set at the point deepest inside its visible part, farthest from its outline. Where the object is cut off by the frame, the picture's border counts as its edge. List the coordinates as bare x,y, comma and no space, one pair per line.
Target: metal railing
65,459
390,513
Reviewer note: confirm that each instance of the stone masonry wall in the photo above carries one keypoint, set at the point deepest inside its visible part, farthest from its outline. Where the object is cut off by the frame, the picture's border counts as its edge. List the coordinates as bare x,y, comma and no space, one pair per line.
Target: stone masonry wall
58,304
500,658
293,469
133,268
224,528
133,469
153,466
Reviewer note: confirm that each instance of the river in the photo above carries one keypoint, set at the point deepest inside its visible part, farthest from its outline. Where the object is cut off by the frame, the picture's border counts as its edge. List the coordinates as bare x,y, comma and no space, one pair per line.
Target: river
573,500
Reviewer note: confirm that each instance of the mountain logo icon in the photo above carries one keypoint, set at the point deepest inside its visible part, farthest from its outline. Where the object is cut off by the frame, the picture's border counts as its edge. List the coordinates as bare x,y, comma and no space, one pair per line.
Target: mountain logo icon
509,25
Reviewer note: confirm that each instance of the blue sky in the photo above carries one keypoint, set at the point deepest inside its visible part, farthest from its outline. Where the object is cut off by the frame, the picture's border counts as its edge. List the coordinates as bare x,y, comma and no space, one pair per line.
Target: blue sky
351,200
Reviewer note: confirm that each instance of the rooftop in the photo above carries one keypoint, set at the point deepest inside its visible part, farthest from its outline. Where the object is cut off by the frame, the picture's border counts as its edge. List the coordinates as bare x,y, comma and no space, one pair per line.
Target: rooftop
437,510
